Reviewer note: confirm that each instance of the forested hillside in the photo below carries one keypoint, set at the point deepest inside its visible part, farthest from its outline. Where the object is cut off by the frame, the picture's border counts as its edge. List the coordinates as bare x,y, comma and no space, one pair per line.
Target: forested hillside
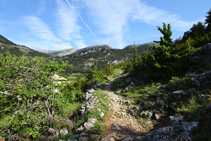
18,50
105,57
82,59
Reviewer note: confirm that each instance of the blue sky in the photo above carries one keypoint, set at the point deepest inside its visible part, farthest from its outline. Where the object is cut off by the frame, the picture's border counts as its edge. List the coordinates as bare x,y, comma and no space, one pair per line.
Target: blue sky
61,24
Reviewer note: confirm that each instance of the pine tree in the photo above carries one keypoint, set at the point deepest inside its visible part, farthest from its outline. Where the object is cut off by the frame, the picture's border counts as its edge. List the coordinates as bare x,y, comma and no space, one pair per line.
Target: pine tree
208,21
163,51
160,61
135,56
93,76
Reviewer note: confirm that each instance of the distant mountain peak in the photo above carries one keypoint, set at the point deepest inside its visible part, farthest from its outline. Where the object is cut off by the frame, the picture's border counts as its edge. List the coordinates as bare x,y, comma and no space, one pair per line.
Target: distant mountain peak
60,53
68,51
144,44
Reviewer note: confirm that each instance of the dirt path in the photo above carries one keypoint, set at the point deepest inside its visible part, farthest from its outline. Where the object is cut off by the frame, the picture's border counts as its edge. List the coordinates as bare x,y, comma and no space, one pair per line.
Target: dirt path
118,114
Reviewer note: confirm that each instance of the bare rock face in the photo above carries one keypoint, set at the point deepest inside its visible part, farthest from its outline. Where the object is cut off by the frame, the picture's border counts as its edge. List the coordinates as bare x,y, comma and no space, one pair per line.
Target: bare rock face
95,46
60,53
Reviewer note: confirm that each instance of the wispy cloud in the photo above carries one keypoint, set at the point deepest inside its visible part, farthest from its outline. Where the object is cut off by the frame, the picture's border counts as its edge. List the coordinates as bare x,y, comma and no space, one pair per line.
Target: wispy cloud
113,17
67,21
37,44
83,20
39,28
155,16
42,6
46,38
80,44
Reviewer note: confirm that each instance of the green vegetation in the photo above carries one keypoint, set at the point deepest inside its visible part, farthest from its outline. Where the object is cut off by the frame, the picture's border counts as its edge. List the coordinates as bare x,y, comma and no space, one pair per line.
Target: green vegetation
26,93
28,98
167,70
102,56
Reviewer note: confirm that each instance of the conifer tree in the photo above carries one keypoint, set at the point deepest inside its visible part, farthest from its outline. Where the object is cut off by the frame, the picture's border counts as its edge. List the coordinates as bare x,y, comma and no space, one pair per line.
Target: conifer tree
93,75
163,51
208,21
135,56
159,61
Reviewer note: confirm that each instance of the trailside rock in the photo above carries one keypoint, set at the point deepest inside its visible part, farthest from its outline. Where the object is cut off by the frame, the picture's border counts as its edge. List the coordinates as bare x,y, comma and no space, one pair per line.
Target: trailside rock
208,105
128,80
128,139
175,128
90,101
88,124
92,120
53,132
81,128
145,114
117,126
203,80
108,138
63,131
101,114
207,46
73,137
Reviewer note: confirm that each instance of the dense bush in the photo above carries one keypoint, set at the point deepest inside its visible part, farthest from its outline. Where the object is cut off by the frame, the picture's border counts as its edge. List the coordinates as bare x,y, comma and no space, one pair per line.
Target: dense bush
27,97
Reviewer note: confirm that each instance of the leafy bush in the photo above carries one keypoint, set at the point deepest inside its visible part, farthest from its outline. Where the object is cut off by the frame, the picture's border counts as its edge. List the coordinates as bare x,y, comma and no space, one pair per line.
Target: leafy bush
27,94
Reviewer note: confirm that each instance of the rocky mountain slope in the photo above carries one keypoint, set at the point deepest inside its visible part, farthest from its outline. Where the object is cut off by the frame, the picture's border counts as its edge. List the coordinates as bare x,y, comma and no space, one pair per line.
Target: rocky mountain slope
65,52
60,53
105,46
18,50
81,59
6,45
141,45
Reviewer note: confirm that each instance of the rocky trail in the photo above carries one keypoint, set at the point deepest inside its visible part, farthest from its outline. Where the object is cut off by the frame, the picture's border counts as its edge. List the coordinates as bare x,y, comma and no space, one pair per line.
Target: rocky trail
118,120
122,126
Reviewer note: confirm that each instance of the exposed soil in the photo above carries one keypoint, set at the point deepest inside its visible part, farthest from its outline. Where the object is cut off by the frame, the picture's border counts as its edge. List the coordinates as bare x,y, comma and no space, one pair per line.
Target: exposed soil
118,114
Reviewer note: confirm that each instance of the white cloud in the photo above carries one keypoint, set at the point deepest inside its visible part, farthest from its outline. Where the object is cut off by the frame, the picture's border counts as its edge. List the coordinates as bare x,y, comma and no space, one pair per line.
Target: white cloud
42,6
67,21
112,17
39,28
80,44
42,44
154,16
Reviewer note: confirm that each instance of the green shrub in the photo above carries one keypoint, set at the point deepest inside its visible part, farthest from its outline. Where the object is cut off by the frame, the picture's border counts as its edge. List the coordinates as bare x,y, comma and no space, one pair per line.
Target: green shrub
26,93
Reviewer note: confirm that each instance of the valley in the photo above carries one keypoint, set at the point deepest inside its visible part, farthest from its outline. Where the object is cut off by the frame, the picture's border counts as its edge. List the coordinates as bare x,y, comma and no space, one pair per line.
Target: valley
144,92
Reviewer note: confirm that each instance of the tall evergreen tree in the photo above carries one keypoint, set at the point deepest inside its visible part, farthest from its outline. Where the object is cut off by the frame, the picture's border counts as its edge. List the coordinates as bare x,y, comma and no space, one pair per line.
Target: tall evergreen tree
135,56
208,21
93,76
160,61
164,49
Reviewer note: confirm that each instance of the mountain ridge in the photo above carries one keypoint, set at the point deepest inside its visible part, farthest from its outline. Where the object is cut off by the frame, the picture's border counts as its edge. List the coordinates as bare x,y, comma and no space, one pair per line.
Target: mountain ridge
68,51
144,44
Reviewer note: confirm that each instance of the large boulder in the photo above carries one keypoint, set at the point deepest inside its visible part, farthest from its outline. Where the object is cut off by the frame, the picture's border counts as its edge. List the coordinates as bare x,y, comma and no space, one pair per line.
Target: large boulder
175,127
